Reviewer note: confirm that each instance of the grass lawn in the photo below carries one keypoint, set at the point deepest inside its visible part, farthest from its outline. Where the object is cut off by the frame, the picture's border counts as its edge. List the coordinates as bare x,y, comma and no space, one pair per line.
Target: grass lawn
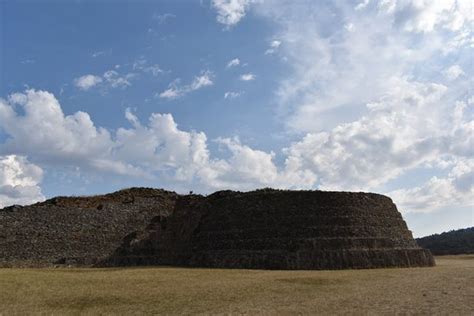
447,288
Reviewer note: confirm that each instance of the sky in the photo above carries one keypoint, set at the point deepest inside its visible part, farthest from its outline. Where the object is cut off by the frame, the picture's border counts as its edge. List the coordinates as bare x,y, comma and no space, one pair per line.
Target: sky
372,96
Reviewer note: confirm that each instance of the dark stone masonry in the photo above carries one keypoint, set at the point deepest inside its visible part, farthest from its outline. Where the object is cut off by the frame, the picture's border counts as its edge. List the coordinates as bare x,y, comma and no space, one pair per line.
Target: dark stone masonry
263,229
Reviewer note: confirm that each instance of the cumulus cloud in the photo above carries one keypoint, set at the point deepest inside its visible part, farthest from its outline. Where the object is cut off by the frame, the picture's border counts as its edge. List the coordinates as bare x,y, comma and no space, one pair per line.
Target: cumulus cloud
349,27
362,5
142,64
230,12
369,115
247,77
453,72
110,78
155,149
455,189
386,142
87,81
175,90
340,58
234,62
232,94
97,54
412,16
360,155
45,132
273,47
115,80
250,164
163,18
155,70
425,16
359,95
19,181
204,80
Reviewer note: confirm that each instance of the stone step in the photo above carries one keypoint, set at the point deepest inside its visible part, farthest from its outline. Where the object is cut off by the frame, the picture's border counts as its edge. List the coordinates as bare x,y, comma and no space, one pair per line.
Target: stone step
294,244
306,232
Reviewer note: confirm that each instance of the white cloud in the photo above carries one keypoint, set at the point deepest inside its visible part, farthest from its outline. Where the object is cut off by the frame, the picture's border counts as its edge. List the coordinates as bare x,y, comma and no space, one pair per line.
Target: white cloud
74,140
45,132
362,5
87,81
158,148
230,12
361,155
249,164
142,65
155,70
163,18
455,189
453,72
232,94
97,54
171,93
349,27
28,61
115,80
275,44
175,90
233,62
110,78
247,77
333,73
19,181
273,47
426,16
360,92
423,16
204,80
387,142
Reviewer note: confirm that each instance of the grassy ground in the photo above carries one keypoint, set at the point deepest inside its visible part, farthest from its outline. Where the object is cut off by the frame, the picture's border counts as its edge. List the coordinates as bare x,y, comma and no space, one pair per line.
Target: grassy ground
447,288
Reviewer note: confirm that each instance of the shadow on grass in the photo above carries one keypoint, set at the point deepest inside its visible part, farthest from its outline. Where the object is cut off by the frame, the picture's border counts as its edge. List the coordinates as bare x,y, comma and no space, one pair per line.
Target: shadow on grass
311,281
87,302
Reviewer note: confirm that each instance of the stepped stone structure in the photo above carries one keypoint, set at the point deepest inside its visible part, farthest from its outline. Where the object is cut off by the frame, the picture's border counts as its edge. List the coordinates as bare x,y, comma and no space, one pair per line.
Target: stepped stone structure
264,229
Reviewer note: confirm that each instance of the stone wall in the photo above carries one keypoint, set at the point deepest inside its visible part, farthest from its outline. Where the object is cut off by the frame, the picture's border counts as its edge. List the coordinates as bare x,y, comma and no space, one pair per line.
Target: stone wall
273,229
77,230
269,229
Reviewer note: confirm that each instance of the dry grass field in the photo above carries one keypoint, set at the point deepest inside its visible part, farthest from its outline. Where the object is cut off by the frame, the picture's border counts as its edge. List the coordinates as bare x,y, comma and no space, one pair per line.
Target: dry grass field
446,289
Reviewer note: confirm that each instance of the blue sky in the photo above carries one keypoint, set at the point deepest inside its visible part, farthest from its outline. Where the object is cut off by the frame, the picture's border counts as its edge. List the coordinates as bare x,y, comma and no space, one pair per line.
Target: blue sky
241,94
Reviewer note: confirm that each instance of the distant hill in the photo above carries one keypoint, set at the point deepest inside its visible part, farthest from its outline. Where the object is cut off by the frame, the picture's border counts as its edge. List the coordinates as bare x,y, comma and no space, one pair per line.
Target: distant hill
454,242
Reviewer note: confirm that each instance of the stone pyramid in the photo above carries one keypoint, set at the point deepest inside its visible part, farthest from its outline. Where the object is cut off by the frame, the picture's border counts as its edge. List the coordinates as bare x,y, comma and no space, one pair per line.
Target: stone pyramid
263,229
